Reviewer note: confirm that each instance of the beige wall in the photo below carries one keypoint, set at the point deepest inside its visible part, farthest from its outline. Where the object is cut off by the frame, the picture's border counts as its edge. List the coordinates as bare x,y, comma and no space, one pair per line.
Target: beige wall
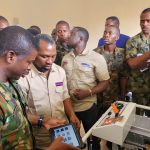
90,14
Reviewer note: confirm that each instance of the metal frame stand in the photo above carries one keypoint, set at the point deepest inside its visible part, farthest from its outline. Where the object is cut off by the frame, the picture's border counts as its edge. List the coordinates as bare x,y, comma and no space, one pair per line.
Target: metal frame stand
115,146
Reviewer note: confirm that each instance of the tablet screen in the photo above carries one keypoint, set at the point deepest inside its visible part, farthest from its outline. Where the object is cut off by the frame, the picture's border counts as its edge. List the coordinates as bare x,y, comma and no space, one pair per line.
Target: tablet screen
67,132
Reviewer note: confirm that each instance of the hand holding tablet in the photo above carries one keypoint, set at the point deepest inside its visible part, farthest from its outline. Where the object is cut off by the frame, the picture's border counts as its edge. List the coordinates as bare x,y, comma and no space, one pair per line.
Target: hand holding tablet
69,133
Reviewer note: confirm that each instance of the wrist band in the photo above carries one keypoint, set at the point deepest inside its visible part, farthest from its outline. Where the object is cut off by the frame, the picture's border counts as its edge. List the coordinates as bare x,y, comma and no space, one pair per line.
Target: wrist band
90,92
40,122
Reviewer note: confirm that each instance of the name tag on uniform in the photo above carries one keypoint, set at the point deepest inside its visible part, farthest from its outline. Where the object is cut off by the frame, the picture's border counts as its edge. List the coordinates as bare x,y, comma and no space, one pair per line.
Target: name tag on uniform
59,83
86,65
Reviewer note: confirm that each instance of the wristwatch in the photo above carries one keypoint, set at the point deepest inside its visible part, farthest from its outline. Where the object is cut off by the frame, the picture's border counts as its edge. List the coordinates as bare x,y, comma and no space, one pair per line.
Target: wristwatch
40,121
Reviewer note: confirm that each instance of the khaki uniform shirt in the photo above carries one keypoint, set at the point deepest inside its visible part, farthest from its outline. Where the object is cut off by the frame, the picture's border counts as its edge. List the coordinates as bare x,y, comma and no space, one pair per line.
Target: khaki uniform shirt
82,72
45,97
139,81
14,128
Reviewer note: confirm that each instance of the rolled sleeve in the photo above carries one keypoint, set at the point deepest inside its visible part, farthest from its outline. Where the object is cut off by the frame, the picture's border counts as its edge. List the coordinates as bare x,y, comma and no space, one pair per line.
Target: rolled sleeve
131,49
65,91
101,69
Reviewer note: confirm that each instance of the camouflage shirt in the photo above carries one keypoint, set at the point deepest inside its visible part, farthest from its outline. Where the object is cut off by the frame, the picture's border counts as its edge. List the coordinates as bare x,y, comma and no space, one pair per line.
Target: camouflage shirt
117,70
62,50
139,81
14,127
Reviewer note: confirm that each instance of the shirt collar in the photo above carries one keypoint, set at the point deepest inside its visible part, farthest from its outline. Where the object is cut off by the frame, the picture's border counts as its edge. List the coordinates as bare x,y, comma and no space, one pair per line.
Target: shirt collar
116,49
85,52
35,72
143,37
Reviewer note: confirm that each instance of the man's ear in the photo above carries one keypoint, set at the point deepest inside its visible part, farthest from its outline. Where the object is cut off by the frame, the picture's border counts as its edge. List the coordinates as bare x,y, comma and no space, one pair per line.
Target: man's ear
81,38
11,57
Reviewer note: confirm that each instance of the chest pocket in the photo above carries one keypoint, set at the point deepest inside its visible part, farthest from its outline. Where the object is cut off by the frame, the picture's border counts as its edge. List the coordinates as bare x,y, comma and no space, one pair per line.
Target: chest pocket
59,89
143,48
12,123
35,93
85,71
117,62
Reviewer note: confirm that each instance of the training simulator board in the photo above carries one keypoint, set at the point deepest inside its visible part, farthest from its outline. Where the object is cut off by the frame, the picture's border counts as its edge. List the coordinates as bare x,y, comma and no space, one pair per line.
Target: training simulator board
114,125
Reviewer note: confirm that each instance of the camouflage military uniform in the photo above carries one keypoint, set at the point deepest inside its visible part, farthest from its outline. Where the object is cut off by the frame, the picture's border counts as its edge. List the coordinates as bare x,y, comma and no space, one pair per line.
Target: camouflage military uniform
14,128
117,70
62,50
139,82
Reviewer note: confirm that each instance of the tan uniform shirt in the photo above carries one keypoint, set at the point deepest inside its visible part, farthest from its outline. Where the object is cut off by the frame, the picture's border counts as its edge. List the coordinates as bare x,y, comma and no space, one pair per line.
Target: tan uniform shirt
83,72
45,97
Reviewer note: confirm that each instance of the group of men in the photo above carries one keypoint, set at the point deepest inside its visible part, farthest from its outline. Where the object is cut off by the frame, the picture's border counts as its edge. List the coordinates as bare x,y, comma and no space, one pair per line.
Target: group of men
82,89
19,52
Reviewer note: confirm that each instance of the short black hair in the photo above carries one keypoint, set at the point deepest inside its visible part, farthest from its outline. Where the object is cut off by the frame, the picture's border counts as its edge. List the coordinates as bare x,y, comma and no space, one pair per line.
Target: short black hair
2,18
62,22
54,31
82,33
44,37
36,28
17,39
113,18
33,31
145,10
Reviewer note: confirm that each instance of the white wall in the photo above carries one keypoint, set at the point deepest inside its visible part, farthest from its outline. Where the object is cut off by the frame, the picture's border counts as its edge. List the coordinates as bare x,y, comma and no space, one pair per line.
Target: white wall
90,14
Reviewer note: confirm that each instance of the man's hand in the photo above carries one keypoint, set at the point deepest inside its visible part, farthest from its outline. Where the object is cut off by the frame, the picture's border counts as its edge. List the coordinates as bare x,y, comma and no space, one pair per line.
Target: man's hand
81,94
70,113
75,121
147,146
59,145
51,122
